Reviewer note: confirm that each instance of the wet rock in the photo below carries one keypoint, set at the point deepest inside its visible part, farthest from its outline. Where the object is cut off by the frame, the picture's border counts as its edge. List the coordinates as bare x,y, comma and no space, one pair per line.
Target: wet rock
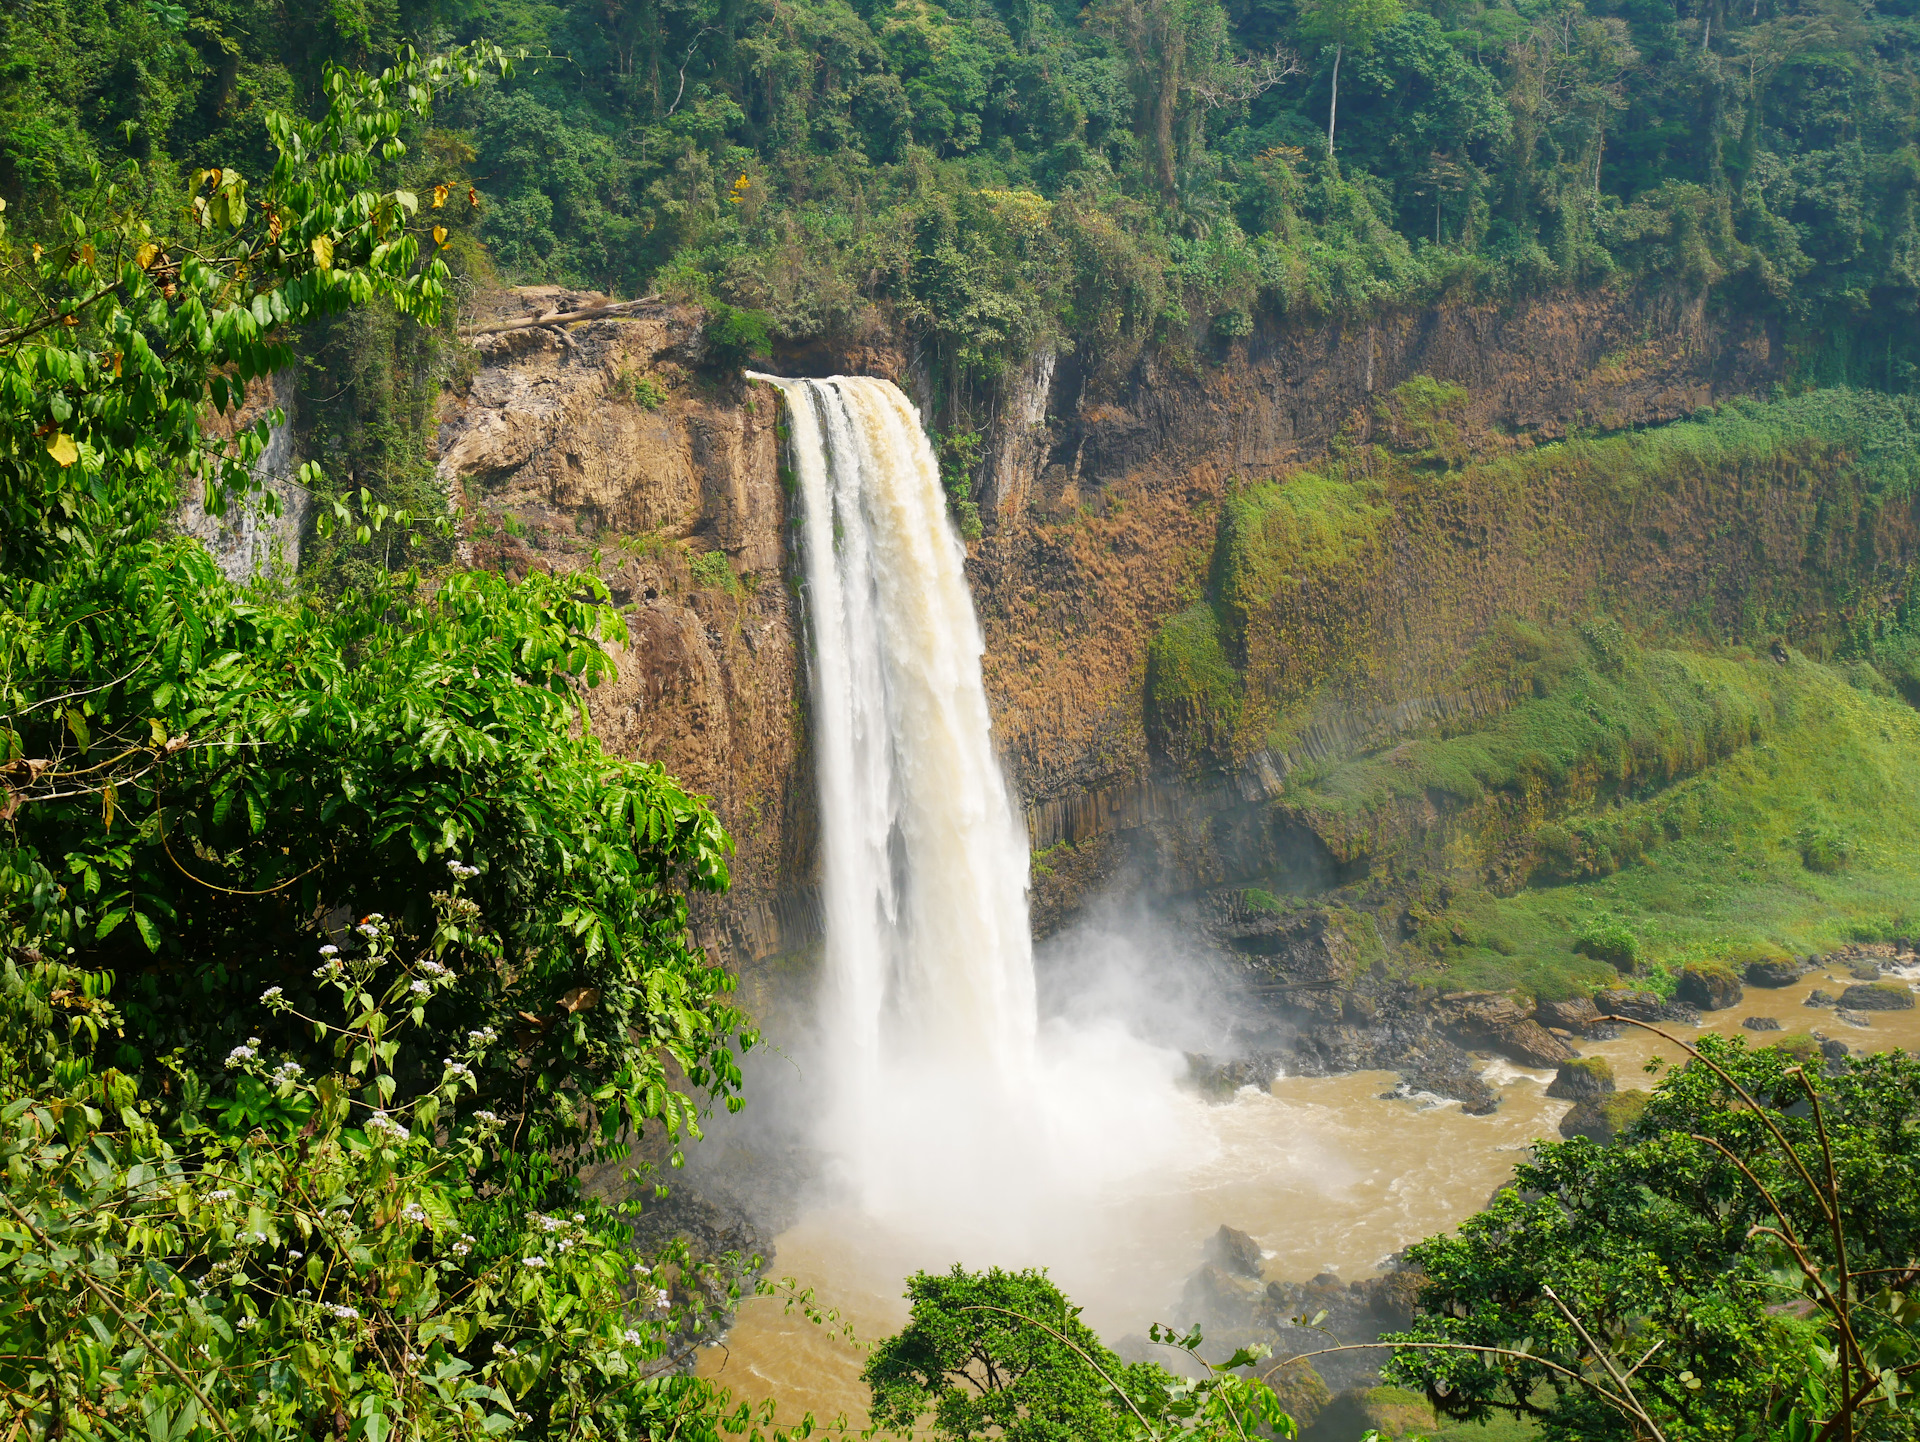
1852,1018
1288,949
1761,1023
1480,1013
1586,1079
1219,1301
1774,973
1234,1251
1877,996
1837,1053
1218,1079
1711,988
1303,1393
1402,1041
1819,997
1574,1016
1602,1119
1531,1044
1864,973
1643,1006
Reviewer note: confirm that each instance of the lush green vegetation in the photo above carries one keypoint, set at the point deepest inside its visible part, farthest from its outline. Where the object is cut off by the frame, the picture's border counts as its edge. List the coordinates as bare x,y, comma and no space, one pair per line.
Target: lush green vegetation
1739,1264
1141,172
1004,1354
332,941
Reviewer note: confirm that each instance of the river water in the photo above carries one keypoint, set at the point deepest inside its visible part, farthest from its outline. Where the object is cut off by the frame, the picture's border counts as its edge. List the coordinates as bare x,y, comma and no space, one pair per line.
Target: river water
1326,1173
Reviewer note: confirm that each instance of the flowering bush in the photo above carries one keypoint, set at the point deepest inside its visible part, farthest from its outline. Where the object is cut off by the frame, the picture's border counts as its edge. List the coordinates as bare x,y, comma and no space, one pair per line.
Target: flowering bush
313,1256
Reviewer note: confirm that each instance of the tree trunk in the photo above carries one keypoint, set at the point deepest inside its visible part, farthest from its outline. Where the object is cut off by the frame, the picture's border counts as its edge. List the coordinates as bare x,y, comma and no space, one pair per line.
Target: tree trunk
1334,103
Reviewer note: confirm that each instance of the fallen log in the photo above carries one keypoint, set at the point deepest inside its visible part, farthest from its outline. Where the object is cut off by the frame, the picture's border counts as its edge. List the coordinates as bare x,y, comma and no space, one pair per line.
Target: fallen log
564,317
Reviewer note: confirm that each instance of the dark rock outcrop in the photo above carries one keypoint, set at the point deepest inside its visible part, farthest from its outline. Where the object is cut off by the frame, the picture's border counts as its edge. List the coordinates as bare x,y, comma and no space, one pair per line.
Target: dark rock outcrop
1761,1023
1602,1119
1234,1251
1576,1015
1820,997
1711,988
1877,996
1583,1080
1774,973
1644,1006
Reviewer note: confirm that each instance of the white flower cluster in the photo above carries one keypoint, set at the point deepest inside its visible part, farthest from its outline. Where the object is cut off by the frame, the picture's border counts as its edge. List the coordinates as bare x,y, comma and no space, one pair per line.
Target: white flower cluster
461,871
371,925
287,1071
538,1264
465,1245
548,1224
224,1194
632,1338
458,1070
434,969
271,995
487,1119
415,1213
245,1324
241,1055
386,1126
484,1037
657,1298
258,1239
340,1312
420,988
294,1254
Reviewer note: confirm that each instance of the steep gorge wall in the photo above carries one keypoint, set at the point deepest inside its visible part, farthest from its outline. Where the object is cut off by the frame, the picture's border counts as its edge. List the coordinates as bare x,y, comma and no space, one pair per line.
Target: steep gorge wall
1103,502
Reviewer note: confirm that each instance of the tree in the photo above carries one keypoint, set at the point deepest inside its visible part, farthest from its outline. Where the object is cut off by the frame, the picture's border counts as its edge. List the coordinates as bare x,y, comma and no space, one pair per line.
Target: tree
1744,1253
1004,1354
1345,24
331,941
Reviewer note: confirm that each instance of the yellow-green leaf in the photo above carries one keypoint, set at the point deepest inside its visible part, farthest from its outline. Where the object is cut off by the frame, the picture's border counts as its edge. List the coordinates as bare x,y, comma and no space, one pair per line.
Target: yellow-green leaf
322,247
61,447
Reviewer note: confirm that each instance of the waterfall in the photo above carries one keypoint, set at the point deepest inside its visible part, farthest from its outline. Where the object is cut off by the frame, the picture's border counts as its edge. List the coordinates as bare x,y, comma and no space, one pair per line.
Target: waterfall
928,993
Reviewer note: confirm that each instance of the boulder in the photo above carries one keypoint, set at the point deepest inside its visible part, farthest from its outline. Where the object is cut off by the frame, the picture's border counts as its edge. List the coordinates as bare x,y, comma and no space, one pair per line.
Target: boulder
1643,1006
1234,1251
1582,1080
1531,1044
1302,1393
1218,1300
1852,1018
1711,988
1761,1023
1602,1119
1877,996
1481,1013
1819,997
1864,973
1776,973
1575,1015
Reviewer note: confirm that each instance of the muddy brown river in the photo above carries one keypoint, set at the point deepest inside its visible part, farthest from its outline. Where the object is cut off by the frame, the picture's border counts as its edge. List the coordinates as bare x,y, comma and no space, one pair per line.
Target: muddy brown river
1327,1173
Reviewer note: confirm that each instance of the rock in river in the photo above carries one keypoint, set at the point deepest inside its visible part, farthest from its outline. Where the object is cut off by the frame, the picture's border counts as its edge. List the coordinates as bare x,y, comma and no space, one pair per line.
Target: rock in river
1234,1251
1877,996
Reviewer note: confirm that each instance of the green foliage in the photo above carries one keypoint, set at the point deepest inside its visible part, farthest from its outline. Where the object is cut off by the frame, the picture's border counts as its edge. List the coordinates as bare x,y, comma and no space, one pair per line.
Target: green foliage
202,788
1665,1251
1001,178
258,1265
712,568
1192,687
1606,939
1004,1354
647,392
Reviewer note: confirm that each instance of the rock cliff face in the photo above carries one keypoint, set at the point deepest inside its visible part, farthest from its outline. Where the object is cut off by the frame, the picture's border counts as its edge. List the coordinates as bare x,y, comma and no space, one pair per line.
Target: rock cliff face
607,447
610,445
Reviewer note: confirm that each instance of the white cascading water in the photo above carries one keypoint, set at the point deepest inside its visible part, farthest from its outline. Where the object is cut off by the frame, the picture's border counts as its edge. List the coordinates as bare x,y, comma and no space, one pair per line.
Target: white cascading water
956,1123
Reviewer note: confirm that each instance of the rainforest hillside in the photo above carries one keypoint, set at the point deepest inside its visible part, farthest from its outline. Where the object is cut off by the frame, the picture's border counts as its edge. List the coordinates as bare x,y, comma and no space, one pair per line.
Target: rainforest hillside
995,175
